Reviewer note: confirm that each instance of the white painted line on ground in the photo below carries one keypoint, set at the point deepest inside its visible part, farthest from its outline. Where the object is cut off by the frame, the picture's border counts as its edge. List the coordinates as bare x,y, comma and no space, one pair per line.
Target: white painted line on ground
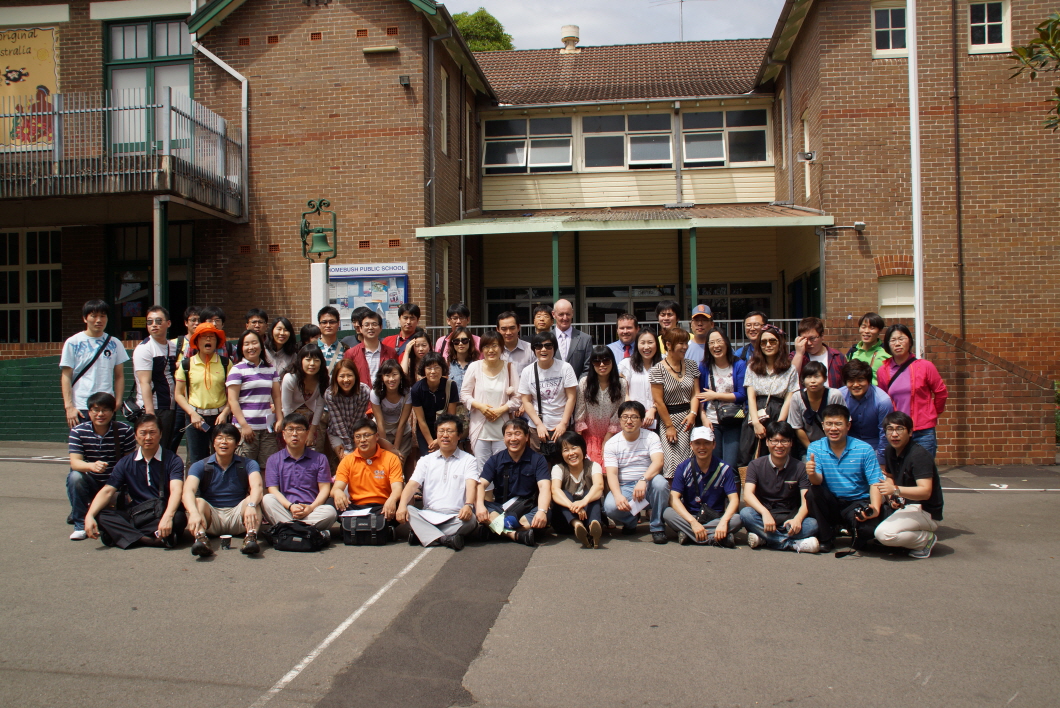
335,634
995,489
40,458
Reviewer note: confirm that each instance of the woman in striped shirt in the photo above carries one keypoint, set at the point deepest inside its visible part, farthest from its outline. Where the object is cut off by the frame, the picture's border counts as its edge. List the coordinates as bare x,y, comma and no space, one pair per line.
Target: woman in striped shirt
254,396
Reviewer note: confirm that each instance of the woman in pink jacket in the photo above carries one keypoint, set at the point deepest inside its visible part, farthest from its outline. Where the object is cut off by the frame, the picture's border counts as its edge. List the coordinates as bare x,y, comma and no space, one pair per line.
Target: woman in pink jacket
914,386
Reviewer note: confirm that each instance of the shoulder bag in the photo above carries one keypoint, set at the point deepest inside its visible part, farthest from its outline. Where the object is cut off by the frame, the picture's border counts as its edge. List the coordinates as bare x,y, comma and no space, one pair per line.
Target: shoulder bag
730,415
369,530
297,536
82,372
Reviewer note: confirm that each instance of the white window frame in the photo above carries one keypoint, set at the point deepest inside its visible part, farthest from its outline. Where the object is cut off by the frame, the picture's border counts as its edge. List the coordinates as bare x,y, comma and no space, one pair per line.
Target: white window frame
629,164
1006,31
443,121
888,53
528,141
724,132
896,296
23,306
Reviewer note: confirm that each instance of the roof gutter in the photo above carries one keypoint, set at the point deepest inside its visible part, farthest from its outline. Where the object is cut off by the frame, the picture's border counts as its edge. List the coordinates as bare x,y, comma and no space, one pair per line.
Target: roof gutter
786,32
630,101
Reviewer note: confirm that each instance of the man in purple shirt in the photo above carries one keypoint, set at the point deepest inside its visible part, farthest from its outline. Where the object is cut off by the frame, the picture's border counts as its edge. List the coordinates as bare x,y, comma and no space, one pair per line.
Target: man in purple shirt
298,480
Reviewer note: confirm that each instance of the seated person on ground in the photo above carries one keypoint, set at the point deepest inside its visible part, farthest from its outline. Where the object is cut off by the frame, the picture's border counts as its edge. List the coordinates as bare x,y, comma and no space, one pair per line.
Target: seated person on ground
633,461
577,487
223,494
843,472
776,513
521,486
704,497
911,474
298,480
449,480
149,475
96,445
369,477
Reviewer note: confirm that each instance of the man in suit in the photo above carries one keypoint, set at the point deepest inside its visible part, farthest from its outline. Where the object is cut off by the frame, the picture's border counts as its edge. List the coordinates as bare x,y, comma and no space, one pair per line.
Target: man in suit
574,345
627,334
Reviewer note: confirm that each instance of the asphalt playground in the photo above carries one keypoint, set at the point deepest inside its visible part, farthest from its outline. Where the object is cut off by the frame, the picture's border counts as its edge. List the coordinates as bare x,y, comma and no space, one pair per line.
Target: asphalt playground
506,626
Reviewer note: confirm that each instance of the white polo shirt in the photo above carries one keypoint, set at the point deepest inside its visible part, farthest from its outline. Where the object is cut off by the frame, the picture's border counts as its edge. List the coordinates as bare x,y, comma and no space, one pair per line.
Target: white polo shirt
443,479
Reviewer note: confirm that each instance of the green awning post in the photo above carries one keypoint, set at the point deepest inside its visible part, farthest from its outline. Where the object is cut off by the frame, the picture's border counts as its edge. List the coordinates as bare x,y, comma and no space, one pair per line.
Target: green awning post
555,266
693,271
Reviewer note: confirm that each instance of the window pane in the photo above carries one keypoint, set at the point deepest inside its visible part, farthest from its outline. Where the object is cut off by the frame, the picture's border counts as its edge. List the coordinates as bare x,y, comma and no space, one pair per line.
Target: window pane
704,146
977,13
898,18
751,288
42,248
504,128
3,247
747,146
507,152
117,43
994,34
550,152
174,38
12,249
652,121
3,288
31,326
604,151
603,124
57,247
141,42
161,40
993,12
898,39
44,285
15,326
57,286
883,40
12,289
550,126
649,148
185,39
700,121
31,247
31,286
745,119
883,19
979,34
57,325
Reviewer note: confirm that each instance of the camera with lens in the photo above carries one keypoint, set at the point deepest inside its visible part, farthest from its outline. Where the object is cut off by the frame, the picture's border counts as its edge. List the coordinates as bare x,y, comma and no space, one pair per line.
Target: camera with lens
897,500
862,511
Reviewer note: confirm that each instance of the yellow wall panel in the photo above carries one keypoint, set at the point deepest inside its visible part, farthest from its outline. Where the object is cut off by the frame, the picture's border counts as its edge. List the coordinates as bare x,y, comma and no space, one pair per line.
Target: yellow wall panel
525,260
742,184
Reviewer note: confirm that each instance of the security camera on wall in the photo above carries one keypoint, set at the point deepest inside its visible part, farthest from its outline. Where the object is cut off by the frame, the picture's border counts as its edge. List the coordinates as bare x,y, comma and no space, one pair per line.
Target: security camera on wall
806,156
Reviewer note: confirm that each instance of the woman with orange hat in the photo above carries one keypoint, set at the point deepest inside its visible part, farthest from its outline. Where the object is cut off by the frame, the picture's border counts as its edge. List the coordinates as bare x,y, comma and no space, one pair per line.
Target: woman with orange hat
201,391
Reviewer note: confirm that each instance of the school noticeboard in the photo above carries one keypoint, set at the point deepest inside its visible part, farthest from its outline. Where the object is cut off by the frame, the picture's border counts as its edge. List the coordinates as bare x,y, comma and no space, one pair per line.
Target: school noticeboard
379,286
30,80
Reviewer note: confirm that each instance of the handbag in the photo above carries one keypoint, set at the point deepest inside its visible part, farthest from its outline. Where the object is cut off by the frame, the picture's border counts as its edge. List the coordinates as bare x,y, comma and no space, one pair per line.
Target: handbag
132,411
730,415
297,536
147,514
370,530
549,448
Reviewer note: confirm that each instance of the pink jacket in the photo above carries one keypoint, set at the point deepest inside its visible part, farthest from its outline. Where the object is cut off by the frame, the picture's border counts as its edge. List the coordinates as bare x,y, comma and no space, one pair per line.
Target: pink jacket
929,391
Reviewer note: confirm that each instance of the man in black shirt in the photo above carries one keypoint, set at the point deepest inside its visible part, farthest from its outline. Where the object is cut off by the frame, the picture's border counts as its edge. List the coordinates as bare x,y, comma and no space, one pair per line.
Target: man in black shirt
912,475
522,487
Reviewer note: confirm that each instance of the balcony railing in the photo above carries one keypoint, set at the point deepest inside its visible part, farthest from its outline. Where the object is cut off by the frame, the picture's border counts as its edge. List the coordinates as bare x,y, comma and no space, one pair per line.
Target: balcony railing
118,142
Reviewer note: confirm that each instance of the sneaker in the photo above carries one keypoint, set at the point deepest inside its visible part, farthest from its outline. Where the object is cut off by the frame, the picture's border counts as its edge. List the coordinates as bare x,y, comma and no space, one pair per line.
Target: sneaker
582,534
201,547
456,541
78,535
596,530
327,535
727,542
414,540
807,545
924,552
659,537
755,541
250,544
526,536
683,539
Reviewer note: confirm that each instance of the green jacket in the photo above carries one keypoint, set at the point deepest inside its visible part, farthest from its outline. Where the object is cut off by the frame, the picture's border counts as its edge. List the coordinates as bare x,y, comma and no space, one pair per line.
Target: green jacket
874,356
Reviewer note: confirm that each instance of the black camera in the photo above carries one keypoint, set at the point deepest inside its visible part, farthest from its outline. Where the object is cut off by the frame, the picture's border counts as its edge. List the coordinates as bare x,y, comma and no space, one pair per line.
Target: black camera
862,512
897,500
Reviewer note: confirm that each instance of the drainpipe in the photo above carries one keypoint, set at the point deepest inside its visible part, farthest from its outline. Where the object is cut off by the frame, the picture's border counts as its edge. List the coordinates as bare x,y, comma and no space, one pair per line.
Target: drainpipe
160,252
787,127
679,156
957,166
432,191
914,158
244,124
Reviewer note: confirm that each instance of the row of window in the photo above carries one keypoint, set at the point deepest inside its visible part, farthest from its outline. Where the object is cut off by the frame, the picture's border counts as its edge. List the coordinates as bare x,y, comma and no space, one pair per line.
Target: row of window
31,286
716,138
988,28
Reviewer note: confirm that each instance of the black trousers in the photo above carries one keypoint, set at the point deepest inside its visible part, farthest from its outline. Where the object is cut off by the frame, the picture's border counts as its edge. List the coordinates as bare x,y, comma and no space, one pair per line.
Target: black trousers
117,529
831,512
563,522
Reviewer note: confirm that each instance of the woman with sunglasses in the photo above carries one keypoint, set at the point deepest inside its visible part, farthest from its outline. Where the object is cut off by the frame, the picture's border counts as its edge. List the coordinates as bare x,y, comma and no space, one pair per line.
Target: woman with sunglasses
635,370
490,393
914,385
770,381
675,387
599,396
549,389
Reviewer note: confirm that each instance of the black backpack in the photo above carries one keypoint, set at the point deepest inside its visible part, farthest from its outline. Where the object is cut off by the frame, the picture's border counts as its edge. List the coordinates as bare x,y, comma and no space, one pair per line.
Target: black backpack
297,536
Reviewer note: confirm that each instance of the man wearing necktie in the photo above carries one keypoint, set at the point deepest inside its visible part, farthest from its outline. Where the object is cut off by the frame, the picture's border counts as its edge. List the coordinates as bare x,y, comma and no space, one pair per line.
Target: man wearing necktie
627,332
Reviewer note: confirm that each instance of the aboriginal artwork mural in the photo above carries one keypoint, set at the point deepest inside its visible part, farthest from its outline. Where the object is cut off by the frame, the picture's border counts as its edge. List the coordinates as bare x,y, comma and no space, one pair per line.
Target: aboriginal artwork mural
29,80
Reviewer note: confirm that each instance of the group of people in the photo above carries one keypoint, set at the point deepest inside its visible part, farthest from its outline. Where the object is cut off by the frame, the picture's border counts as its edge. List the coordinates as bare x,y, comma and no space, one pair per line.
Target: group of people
501,436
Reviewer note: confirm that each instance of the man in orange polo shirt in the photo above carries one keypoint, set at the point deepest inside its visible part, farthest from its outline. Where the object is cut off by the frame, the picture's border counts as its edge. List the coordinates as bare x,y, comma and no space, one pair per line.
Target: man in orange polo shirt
369,476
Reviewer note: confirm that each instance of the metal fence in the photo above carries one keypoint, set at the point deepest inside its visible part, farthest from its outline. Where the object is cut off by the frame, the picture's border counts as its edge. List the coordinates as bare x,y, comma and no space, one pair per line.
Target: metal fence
119,141
606,332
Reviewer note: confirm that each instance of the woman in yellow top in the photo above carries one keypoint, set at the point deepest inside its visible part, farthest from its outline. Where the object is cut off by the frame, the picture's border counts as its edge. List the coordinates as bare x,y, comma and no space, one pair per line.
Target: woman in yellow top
201,391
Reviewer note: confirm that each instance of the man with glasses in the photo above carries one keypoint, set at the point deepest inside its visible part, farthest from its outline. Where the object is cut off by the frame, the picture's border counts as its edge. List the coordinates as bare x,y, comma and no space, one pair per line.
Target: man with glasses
95,447
153,480
223,494
753,322
845,474
633,462
258,321
298,480
810,346
549,389
775,494
328,321
448,478
515,350
91,361
369,477
154,361
371,352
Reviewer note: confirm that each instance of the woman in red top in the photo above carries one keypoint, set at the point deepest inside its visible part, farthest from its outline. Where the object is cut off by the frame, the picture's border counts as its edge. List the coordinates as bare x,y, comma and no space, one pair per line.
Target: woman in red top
914,385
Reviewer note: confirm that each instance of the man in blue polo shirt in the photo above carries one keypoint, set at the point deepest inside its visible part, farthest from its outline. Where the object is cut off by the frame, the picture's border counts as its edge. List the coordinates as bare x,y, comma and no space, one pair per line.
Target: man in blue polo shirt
522,486
154,480
843,474
703,497
95,447
223,494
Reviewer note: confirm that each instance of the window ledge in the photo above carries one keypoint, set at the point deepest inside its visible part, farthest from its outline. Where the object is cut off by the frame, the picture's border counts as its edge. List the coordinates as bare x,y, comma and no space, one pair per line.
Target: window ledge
990,49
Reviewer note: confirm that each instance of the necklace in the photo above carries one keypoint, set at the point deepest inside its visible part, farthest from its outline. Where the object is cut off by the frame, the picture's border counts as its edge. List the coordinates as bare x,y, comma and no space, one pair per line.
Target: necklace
670,366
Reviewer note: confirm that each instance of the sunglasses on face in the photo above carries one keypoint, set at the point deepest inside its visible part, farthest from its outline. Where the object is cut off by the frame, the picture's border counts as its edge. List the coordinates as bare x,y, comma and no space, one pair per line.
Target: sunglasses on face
546,345
598,362
462,340
768,342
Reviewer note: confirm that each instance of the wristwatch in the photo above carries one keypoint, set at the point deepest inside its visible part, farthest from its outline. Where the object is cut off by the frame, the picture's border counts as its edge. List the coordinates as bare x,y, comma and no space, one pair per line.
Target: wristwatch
251,505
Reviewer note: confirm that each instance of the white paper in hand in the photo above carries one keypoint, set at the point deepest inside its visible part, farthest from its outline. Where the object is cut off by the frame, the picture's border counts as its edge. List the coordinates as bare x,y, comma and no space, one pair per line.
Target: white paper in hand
497,525
436,517
635,507
508,504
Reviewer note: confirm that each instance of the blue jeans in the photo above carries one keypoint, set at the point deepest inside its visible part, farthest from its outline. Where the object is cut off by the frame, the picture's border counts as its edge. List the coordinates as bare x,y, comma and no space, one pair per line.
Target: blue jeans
777,539
727,445
657,494
81,489
927,440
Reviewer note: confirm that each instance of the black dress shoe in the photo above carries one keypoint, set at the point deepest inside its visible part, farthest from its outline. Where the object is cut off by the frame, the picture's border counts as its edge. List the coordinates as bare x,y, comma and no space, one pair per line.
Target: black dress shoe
250,544
659,537
70,519
414,540
526,536
456,541
201,547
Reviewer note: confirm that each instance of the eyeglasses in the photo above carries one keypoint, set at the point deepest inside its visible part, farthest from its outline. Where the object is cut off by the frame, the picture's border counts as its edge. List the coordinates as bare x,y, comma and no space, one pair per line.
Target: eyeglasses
295,431
598,362
325,323
769,342
895,429
155,320
812,339
462,340
546,345
778,441
630,418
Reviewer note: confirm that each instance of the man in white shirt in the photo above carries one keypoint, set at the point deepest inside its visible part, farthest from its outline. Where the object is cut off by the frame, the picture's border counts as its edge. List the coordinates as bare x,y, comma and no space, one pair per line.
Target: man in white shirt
83,372
154,361
515,350
633,462
449,480
550,412
572,345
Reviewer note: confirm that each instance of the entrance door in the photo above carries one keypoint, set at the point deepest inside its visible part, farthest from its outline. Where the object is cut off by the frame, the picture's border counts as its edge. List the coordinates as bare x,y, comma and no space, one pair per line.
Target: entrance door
606,303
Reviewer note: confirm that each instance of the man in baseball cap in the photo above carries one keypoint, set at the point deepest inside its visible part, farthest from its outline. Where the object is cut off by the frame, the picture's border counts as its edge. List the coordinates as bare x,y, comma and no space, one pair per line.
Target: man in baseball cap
704,497
702,323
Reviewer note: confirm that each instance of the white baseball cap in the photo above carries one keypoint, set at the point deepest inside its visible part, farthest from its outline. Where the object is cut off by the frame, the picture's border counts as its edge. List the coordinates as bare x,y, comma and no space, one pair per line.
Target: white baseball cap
703,433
